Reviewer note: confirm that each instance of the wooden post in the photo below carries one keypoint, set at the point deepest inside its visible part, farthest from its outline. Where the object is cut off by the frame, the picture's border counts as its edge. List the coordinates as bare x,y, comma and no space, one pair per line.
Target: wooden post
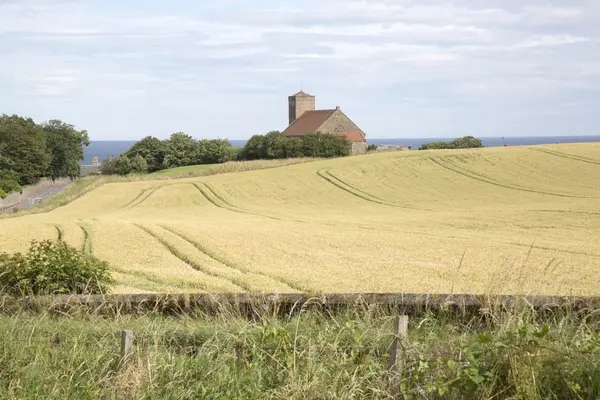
126,344
397,351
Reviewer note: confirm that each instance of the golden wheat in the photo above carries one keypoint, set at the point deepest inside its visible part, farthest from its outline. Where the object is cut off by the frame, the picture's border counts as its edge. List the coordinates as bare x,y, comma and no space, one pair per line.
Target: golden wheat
522,220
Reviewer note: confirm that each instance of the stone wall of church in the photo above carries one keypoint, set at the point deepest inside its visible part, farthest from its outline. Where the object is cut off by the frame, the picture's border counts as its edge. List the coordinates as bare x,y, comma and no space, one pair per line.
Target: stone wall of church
298,105
338,122
359,147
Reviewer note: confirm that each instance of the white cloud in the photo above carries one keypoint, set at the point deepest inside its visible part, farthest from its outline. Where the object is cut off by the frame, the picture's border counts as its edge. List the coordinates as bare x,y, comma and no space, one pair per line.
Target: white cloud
552,40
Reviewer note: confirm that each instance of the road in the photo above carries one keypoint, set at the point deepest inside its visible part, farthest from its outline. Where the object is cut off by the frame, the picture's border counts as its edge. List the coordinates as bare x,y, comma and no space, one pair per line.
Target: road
36,195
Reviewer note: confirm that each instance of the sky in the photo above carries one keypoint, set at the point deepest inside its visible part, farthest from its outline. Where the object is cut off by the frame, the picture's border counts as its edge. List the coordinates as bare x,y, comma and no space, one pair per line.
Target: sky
123,70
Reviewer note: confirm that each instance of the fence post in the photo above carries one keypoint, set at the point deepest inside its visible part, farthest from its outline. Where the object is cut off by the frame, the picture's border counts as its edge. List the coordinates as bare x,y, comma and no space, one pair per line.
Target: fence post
397,351
126,344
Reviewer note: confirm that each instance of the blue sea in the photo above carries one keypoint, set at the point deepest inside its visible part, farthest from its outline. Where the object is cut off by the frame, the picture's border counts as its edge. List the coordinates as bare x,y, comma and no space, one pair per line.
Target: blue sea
105,149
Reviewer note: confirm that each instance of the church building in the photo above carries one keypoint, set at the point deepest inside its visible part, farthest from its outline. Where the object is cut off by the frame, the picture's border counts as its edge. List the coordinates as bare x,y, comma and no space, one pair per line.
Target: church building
304,119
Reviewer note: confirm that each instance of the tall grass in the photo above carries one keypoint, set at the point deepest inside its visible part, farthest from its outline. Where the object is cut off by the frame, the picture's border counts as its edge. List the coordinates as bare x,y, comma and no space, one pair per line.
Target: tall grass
312,354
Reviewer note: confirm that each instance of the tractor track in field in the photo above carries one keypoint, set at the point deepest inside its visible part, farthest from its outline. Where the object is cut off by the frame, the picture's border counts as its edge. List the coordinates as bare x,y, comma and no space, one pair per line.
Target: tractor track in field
482,178
134,200
229,264
143,199
87,239
361,194
185,259
567,155
218,201
140,198
159,281
60,232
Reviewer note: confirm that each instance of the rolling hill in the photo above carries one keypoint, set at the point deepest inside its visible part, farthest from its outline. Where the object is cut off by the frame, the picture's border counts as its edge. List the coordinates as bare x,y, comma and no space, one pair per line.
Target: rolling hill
514,220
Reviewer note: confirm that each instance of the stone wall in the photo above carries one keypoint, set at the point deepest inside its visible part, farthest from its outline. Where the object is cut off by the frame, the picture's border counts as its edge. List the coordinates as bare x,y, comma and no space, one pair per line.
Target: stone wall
359,147
298,105
339,120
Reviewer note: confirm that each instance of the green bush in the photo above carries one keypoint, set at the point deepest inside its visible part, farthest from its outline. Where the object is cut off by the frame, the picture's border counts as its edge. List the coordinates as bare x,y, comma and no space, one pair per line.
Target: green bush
139,165
2,194
53,268
320,144
372,147
9,182
465,142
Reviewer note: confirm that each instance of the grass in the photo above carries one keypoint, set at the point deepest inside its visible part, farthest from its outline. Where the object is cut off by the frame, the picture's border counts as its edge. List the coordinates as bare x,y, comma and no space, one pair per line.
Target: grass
313,354
191,169
514,220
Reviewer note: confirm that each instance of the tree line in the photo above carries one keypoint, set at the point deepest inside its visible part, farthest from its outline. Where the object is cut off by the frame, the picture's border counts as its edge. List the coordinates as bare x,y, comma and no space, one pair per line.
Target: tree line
180,149
31,151
465,142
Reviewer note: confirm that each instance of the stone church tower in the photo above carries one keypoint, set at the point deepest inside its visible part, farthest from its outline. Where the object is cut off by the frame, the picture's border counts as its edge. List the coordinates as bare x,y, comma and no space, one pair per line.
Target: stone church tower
299,104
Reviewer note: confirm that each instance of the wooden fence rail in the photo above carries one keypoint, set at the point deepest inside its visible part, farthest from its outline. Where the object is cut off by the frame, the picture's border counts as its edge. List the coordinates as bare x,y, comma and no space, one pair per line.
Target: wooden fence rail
297,300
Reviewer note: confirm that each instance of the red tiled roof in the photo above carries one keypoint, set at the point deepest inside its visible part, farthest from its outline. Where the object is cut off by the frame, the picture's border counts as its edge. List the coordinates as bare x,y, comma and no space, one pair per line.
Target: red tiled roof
308,122
355,136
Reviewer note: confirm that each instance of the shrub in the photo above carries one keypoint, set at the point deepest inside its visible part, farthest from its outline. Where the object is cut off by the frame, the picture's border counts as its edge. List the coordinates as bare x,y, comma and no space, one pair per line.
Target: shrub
372,147
9,182
254,149
465,142
214,151
325,145
435,146
153,150
139,165
108,167
53,268
2,194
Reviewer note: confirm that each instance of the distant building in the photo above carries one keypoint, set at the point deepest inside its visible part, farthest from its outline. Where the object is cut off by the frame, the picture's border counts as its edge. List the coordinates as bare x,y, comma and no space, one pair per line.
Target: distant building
95,162
304,119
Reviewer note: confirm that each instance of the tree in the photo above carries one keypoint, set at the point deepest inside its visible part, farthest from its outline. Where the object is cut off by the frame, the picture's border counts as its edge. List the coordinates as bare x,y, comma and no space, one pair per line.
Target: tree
153,150
372,147
23,146
65,144
139,165
255,148
9,182
275,145
293,147
9,179
108,167
122,165
466,142
215,151
320,144
435,146
180,150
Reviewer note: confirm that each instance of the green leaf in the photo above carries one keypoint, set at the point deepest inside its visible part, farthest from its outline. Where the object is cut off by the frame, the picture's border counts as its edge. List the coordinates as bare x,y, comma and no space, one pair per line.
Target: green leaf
485,338
543,332
477,379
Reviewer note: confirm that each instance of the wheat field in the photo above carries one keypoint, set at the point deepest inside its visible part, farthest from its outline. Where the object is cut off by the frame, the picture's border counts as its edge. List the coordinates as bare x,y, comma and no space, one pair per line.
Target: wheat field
513,220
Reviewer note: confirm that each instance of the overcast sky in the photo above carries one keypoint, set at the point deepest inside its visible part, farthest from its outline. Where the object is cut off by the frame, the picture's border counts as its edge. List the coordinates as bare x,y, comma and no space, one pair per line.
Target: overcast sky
124,69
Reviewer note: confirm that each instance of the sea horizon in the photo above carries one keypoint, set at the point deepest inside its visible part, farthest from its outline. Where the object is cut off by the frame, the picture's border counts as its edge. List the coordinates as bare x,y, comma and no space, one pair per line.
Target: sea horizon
107,148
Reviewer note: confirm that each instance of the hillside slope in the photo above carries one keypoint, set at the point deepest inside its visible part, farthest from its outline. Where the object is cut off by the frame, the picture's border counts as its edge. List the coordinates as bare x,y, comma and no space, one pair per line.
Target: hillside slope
498,220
